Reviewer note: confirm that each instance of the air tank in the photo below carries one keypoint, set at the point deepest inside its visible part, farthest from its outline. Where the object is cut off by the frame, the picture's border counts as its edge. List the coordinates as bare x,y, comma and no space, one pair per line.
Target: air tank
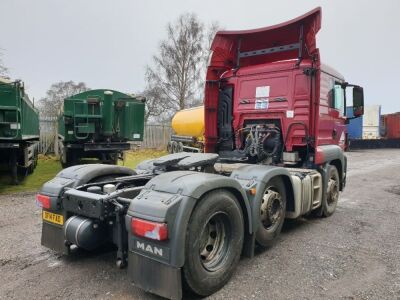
84,232
108,113
189,122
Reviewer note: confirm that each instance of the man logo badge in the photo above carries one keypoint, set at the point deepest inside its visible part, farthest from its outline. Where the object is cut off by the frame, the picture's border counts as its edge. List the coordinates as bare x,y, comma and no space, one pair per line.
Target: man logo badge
150,249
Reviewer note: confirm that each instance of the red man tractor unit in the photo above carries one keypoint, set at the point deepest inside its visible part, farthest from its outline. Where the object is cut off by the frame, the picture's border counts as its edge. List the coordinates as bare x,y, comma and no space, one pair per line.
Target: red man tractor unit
274,138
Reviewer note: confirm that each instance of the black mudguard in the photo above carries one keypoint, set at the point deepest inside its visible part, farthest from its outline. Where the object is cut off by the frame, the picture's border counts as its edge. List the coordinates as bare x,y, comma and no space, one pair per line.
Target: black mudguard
257,176
52,234
333,153
170,198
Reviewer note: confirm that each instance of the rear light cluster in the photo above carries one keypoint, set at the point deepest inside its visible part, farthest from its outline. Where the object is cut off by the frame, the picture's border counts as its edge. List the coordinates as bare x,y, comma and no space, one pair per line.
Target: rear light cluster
148,229
43,201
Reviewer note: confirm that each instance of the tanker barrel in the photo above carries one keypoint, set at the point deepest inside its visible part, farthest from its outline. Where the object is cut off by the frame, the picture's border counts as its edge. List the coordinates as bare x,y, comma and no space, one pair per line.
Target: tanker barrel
189,122
108,113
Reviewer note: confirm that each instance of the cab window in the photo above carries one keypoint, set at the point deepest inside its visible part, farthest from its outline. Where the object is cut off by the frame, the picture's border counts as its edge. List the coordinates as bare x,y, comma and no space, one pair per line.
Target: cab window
337,98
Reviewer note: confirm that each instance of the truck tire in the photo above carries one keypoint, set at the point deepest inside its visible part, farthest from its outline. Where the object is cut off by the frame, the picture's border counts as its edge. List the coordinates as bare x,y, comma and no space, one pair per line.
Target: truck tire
332,193
180,147
175,147
112,159
214,241
31,168
272,212
14,168
65,163
71,158
169,147
33,165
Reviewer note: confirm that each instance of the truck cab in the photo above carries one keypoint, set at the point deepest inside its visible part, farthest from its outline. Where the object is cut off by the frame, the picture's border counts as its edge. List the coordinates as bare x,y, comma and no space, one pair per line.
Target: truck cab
269,99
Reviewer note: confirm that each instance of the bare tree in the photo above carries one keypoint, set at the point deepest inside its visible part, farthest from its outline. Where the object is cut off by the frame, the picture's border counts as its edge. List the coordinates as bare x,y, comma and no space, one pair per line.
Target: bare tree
156,111
177,72
51,104
3,68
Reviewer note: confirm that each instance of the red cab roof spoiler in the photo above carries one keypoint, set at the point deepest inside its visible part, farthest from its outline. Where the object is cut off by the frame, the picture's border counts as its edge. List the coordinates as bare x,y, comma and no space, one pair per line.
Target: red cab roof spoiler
293,39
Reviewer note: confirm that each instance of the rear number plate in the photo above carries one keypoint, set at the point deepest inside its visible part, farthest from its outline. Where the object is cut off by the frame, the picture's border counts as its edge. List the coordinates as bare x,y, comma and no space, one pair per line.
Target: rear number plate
53,218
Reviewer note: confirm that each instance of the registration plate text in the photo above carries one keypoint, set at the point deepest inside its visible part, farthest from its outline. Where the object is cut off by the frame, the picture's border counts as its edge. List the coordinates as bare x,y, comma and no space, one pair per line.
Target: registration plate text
53,218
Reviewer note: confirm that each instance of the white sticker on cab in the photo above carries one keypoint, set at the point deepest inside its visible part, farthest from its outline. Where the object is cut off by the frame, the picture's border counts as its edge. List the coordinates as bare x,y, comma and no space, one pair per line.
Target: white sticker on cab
262,95
262,91
261,103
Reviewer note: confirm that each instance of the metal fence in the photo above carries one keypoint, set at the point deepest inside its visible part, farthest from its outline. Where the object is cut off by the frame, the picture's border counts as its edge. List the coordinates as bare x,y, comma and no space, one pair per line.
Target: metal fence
48,135
155,136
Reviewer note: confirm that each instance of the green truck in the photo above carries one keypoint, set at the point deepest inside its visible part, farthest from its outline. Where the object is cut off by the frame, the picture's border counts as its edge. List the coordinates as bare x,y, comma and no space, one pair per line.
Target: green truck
19,129
99,124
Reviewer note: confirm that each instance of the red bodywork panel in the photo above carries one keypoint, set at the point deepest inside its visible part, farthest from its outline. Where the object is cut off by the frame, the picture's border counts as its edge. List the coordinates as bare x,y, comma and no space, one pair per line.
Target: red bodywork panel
226,43
265,63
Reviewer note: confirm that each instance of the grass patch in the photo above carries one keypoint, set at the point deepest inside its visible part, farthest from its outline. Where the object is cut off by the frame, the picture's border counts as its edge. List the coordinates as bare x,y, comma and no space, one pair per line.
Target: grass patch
132,158
49,166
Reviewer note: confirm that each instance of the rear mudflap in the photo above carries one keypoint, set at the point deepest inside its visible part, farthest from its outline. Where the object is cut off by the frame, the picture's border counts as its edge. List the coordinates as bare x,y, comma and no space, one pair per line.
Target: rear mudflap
155,277
53,238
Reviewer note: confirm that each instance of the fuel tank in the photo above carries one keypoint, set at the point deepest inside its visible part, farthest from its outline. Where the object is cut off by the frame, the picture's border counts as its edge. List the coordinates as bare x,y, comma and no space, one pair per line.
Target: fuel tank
189,122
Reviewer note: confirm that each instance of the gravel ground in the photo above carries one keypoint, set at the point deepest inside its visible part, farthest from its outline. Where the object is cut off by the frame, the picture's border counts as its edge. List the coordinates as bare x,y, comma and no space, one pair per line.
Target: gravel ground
354,254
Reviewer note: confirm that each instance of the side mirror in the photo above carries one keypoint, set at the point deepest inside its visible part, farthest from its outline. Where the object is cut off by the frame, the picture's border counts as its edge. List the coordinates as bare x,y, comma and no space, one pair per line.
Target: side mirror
358,101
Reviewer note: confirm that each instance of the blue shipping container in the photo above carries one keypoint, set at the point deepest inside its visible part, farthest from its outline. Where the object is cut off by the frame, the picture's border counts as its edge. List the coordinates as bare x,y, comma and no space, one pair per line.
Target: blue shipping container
355,127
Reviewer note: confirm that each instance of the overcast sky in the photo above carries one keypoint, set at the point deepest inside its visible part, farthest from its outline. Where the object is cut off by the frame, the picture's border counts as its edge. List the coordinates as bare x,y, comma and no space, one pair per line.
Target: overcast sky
108,43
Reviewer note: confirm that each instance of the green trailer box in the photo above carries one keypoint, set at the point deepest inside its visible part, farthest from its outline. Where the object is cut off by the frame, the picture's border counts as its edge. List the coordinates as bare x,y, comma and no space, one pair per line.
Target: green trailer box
132,126
19,129
99,124
19,120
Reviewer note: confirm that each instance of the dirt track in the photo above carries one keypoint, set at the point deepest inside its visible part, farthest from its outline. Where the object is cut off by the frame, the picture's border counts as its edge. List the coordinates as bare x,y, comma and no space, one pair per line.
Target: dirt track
355,254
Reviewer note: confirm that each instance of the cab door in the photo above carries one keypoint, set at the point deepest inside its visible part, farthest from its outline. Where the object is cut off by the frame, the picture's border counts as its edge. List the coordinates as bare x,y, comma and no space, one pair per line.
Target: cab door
331,126
337,112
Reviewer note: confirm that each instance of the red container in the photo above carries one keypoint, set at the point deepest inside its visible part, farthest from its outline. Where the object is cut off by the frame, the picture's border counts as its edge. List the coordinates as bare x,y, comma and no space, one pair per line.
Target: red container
392,125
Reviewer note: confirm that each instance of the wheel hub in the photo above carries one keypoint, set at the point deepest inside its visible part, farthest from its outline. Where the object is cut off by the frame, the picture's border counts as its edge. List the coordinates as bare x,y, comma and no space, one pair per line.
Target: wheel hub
333,191
271,208
213,244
